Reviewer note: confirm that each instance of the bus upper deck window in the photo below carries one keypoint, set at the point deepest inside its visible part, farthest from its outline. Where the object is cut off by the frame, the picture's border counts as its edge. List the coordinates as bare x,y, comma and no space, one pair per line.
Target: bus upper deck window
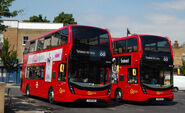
60,37
40,44
32,47
47,42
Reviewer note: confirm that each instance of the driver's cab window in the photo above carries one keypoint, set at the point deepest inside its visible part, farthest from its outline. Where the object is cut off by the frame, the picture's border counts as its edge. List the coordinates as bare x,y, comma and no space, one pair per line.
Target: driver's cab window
132,75
62,72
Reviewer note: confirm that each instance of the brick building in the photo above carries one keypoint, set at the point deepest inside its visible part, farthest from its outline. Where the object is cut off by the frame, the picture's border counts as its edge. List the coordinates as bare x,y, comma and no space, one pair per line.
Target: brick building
179,55
19,32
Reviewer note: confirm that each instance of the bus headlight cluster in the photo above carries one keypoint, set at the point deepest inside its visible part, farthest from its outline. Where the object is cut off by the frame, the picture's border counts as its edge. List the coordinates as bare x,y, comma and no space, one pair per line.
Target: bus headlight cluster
71,89
108,92
144,91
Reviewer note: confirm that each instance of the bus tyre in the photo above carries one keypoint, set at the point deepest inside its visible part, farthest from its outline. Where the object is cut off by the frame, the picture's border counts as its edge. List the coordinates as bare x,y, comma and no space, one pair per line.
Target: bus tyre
51,96
175,89
27,91
118,95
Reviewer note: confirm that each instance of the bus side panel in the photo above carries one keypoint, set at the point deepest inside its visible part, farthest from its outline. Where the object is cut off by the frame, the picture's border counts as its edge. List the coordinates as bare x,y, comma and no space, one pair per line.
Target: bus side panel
130,90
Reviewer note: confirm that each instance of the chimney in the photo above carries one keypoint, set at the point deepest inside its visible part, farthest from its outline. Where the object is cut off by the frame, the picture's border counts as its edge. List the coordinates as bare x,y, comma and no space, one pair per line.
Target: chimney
176,44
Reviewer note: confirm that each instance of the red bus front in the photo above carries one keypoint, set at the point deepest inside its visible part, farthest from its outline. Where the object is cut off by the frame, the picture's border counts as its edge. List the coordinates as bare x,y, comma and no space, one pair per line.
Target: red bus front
148,74
89,65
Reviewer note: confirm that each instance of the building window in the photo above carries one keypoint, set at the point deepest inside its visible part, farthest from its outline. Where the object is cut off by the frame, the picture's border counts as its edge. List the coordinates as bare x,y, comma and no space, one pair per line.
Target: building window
24,40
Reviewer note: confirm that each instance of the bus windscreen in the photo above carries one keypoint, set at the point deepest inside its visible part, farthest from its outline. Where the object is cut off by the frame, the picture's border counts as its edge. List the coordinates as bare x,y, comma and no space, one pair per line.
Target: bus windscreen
155,44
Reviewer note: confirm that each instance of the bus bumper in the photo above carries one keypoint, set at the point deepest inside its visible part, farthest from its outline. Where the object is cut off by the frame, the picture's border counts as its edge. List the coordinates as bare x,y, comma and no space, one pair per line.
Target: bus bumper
147,97
82,98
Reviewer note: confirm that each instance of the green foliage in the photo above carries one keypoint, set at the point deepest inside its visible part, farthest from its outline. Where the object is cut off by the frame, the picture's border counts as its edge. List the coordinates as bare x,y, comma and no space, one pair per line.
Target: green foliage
65,19
183,67
5,12
8,57
37,19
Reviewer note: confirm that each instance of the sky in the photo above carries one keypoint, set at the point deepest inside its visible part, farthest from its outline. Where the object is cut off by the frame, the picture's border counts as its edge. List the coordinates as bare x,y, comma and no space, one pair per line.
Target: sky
157,17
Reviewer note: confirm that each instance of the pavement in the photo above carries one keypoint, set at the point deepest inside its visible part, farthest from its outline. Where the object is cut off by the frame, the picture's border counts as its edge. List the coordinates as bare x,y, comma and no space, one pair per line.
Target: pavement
17,102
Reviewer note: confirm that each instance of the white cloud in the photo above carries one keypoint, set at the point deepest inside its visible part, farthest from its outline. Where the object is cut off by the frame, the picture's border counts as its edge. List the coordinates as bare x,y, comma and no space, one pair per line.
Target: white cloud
166,25
161,18
177,5
157,24
93,18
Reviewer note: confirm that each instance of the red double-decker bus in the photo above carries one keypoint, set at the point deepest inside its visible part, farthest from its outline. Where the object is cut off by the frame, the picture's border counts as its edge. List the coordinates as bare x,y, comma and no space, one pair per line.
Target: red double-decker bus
142,68
69,64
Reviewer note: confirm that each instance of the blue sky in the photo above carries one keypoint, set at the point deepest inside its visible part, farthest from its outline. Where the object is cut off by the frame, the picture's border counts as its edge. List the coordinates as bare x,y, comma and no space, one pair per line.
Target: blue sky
158,17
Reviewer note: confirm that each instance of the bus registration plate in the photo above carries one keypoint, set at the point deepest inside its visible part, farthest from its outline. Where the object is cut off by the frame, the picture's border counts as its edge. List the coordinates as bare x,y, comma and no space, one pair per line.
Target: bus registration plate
159,99
91,100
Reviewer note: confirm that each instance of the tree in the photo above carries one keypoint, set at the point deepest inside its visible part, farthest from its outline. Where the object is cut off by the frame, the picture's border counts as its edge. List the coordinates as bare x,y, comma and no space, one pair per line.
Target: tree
183,67
5,12
37,19
8,57
65,19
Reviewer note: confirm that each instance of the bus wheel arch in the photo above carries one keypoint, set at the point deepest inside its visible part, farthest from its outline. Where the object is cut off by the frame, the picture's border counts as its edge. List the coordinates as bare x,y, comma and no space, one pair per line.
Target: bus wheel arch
118,95
51,95
176,89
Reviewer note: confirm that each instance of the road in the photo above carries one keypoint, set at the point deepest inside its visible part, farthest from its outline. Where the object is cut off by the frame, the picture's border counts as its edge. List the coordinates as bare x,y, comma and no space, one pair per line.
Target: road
20,103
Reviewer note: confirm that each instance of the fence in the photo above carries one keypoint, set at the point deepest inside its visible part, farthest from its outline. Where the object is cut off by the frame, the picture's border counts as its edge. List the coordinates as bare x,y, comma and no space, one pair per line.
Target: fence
11,76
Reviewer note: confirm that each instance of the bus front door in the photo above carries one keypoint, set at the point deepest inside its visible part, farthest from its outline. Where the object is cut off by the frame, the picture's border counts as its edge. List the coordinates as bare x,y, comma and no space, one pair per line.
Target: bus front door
61,82
132,84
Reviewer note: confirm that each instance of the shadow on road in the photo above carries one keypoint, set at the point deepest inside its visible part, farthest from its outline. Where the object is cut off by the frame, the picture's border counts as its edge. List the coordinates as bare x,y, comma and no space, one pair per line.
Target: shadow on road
32,103
152,103
103,105
77,104
19,104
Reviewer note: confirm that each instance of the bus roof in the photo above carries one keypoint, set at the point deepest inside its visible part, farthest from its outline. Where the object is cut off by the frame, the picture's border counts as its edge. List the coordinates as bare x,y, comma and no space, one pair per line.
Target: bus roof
59,30
136,35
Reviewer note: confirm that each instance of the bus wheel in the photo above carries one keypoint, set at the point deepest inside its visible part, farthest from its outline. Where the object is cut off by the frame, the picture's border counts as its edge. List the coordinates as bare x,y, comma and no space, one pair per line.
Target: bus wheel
118,95
51,96
27,91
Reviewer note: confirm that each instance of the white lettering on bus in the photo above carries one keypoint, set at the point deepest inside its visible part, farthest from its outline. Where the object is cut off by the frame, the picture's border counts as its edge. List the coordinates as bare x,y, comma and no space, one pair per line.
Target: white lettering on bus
125,60
85,52
152,58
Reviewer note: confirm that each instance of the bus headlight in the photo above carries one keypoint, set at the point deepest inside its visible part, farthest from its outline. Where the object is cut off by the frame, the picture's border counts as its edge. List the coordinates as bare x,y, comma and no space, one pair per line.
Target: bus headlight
144,91
109,90
71,89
